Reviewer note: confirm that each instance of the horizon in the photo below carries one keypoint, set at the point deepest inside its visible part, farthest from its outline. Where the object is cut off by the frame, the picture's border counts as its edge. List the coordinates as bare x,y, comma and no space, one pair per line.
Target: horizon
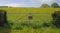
27,3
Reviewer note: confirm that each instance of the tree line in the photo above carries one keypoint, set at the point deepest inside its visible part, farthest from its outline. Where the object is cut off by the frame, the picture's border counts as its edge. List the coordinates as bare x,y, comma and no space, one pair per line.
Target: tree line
53,5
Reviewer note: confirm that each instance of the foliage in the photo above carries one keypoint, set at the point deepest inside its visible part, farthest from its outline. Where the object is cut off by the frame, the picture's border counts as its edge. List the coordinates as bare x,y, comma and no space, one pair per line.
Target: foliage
54,5
56,18
45,6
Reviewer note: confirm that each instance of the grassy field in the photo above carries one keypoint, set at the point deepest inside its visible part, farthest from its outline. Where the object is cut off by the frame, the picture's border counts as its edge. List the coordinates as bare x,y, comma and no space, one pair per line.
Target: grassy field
19,23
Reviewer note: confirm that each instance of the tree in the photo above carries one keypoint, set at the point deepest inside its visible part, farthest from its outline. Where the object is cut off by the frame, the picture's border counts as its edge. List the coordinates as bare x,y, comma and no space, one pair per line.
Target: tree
45,6
54,5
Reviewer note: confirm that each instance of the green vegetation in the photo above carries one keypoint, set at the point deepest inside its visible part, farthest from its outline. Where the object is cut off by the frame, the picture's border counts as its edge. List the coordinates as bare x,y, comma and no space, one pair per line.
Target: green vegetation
54,5
56,19
41,23
45,6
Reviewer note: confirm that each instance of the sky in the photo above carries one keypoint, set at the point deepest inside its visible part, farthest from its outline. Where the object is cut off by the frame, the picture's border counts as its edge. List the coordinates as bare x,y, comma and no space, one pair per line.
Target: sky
26,3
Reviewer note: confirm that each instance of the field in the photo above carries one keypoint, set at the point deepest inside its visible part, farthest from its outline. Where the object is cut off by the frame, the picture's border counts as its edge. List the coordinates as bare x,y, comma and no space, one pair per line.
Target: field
19,22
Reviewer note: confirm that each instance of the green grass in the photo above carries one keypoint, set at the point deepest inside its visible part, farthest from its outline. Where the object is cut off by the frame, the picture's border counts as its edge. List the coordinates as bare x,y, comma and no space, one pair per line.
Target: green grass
38,20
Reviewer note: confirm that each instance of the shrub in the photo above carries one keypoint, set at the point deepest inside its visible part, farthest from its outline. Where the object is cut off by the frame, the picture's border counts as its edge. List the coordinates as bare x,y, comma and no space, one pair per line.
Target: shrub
56,19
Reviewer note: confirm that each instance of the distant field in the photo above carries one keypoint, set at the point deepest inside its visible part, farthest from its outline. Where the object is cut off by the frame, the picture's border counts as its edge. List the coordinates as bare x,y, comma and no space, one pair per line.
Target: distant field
45,16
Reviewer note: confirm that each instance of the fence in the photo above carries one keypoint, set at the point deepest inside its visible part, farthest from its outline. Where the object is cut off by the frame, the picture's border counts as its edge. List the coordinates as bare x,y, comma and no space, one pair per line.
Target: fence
29,15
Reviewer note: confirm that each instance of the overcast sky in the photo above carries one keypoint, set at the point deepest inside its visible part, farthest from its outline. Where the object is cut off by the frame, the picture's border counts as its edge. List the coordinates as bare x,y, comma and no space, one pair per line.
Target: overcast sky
26,3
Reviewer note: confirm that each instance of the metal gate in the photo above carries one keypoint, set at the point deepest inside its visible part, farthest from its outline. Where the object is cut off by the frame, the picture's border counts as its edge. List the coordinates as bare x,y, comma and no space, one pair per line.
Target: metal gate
29,16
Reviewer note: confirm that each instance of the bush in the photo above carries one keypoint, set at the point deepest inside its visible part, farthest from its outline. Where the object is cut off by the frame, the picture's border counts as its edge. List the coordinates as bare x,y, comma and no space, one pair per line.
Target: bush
56,19
3,18
56,24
